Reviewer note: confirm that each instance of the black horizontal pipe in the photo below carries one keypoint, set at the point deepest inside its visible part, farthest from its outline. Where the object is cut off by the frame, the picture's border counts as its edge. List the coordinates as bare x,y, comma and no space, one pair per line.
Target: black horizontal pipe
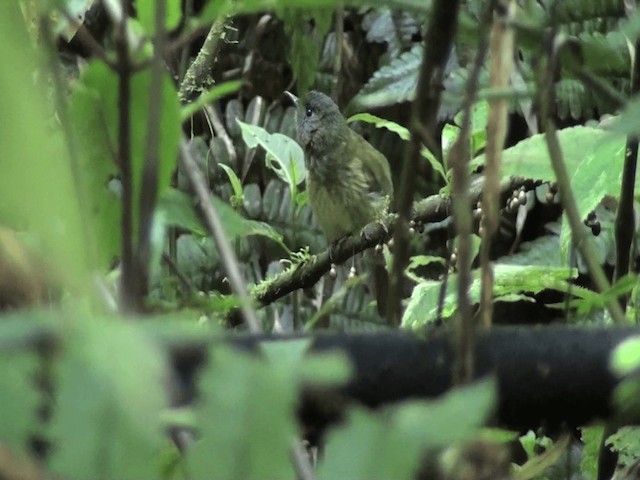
548,376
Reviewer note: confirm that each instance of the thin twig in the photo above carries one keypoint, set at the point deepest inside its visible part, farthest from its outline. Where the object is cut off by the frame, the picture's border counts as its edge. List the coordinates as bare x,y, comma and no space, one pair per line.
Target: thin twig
184,280
459,161
337,58
424,113
581,238
149,187
625,219
501,66
214,225
129,298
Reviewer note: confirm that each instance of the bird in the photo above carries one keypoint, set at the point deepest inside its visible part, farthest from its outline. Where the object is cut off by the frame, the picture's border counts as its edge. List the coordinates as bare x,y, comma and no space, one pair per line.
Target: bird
348,181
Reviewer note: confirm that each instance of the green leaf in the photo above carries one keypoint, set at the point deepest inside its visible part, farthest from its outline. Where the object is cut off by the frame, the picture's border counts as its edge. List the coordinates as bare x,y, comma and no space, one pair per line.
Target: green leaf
326,369
178,210
418,261
626,441
591,438
146,10
434,162
389,444
37,188
234,180
106,423
245,414
95,119
593,157
98,168
19,398
284,155
394,127
305,46
508,280
393,83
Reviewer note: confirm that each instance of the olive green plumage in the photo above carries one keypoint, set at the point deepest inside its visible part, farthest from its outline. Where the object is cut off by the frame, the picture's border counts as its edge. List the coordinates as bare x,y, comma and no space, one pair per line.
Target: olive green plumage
348,180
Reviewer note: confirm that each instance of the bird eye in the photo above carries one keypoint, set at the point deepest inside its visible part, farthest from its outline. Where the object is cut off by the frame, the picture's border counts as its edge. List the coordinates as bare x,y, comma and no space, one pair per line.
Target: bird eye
309,111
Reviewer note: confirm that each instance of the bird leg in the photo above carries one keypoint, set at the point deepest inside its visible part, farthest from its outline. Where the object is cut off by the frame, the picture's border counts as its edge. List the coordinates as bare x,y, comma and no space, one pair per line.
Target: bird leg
334,247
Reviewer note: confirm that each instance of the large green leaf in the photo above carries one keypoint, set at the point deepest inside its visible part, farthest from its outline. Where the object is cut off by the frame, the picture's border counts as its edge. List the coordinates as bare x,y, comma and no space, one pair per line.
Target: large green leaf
245,413
284,155
511,282
593,157
146,10
95,119
109,395
37,189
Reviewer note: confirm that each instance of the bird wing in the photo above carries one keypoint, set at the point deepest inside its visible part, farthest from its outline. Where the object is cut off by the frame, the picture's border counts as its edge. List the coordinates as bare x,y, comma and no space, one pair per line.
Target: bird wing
375,166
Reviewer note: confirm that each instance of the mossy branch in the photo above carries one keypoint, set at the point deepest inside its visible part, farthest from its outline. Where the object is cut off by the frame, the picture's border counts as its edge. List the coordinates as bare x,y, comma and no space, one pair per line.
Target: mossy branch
435,208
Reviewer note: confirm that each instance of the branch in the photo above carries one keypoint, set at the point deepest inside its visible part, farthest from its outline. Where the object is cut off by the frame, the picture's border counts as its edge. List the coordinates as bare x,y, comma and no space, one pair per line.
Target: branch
130,300
304,275
149,187
197,78
501,66
579,233
214,225
424,123
625,219
459,158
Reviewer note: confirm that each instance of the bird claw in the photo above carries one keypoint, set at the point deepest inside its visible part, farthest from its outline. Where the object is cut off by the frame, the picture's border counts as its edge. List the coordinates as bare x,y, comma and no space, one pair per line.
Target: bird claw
334,248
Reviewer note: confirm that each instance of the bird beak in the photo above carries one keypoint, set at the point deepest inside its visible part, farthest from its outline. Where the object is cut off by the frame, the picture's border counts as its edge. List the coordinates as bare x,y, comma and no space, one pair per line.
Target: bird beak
293,98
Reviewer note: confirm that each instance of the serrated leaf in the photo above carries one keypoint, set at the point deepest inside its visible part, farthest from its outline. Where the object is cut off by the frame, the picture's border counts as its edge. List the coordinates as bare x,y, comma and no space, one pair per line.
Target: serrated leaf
389,444
106,423
327,369
245,414
393,83
19,398
626,441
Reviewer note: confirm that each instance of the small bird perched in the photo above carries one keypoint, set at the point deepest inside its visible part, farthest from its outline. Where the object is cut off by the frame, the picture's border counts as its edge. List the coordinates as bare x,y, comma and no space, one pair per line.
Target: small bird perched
348,180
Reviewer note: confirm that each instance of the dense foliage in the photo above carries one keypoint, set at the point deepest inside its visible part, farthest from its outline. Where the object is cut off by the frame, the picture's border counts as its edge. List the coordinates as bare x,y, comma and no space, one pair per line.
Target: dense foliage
152,198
